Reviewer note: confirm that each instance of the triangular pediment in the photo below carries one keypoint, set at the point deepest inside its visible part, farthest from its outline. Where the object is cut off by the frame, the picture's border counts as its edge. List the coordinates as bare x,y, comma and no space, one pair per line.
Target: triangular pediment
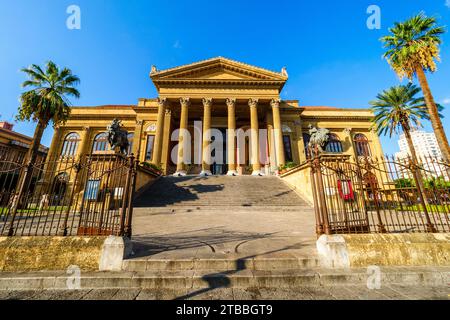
218,69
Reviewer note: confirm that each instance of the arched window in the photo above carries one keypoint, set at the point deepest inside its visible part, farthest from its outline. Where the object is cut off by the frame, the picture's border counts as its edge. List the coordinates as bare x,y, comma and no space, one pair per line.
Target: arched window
70,145
306,138
361,145
101,143
334,144
130,142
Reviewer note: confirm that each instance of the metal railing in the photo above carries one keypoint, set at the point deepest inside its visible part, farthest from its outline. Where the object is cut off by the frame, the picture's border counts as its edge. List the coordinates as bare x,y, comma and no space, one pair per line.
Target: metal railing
88,195
380,195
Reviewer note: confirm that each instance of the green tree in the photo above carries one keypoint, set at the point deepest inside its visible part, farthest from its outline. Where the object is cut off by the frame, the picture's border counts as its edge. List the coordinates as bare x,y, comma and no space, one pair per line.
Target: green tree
399,109
413,49
47,101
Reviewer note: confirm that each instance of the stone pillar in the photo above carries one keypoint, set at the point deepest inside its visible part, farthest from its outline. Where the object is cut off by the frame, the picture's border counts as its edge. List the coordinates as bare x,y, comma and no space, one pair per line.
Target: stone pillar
254,136
159,131
165,153
231,134
84,147
349,140
136,149
55,147
278,133
206,151
182,139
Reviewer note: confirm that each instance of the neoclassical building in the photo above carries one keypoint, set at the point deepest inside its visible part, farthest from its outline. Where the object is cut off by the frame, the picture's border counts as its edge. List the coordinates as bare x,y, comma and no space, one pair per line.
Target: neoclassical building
227,96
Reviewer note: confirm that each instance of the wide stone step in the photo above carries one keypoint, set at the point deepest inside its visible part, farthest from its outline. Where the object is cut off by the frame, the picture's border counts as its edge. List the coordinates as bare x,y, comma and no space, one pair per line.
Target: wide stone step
231,279
219,191
225,265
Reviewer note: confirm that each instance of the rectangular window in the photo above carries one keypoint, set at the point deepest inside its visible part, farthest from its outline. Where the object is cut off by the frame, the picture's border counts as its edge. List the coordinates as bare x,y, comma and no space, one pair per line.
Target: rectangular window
287,148
92,188
149,148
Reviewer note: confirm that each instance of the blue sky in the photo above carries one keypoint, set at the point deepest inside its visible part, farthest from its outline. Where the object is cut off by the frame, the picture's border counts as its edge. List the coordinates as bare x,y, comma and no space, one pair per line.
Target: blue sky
331,56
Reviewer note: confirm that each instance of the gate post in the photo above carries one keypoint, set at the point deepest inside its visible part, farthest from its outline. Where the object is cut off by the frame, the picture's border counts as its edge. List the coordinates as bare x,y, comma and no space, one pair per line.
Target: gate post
319,224
128,227
323,202
126,194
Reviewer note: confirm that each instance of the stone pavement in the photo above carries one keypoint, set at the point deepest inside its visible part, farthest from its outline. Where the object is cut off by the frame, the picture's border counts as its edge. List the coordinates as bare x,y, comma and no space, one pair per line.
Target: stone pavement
222,217
348,292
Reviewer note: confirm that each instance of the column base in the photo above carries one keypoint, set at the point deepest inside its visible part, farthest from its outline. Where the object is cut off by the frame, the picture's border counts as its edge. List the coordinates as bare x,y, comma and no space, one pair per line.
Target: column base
257,173
232,173
205,173
180,173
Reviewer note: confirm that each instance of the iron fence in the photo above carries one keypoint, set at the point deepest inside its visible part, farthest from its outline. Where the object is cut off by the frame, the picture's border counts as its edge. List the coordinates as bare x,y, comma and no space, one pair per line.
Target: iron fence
87,195
380,195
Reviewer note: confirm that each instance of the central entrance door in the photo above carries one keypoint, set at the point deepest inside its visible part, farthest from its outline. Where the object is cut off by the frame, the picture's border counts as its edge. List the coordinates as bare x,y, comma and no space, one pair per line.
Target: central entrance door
220,167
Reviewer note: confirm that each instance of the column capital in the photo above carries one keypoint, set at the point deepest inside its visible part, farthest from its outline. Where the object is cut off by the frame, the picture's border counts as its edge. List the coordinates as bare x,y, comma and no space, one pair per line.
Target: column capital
207,102
252,102
185,102
162,102
86,128
139,122
275,103
231,102
348,131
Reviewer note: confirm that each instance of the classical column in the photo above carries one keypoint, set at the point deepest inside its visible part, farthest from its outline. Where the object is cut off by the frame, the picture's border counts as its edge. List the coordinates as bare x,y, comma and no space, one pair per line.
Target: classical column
162,102
182,138
278,133
85,146
254,136
351,145
206,151
55,147
136,148
231,134
165,153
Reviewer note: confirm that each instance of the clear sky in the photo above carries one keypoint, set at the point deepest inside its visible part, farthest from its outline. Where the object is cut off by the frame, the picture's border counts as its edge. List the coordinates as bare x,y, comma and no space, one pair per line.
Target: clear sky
332,58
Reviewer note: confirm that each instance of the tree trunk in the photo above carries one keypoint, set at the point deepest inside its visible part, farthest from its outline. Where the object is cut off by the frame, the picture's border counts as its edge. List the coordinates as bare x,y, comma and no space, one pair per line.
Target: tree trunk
406,129
434,114
25,178
36,143
30,160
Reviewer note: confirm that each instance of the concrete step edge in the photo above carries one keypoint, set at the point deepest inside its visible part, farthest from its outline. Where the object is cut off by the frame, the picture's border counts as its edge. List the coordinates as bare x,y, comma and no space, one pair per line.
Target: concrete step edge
243,279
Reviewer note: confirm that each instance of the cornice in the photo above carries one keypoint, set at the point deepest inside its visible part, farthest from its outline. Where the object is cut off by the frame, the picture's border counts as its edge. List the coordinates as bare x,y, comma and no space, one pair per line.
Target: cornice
221,61
328,117
196,82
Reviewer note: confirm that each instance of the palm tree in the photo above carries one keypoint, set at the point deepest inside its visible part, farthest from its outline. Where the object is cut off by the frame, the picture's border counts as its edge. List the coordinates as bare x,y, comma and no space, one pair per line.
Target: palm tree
413,49
399,108
46,102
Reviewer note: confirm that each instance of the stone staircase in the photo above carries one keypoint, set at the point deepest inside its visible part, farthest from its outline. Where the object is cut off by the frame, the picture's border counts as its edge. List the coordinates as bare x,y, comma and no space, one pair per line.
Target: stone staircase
220,191
224,232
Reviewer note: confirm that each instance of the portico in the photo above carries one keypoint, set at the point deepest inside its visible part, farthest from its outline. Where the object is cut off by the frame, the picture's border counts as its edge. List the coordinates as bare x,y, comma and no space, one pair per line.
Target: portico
226,95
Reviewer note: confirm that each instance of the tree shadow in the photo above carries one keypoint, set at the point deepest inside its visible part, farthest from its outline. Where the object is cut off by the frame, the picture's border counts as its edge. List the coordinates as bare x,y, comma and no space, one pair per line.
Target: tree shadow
221,280
147,245
170,190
